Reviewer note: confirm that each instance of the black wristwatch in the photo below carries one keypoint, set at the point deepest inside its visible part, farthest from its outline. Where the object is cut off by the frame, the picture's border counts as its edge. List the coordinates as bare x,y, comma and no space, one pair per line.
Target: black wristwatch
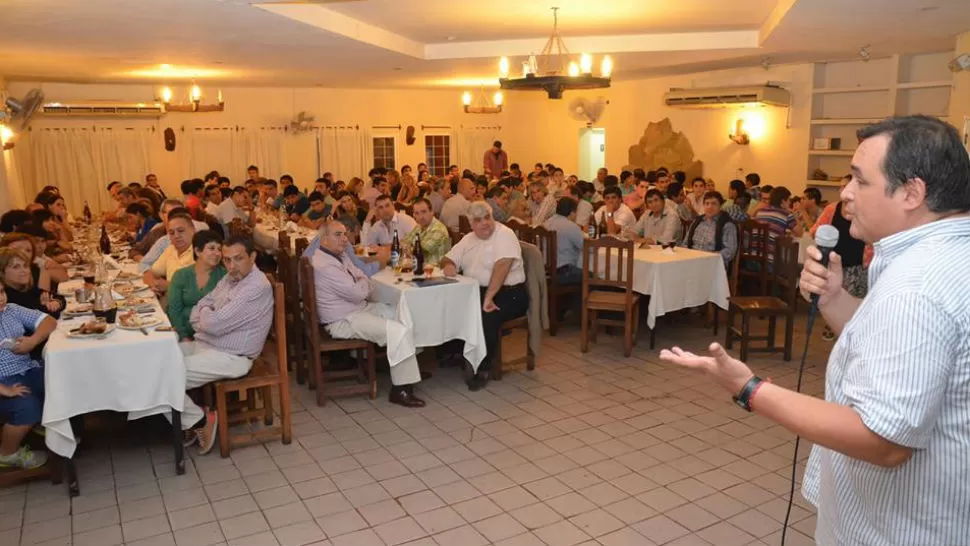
743,398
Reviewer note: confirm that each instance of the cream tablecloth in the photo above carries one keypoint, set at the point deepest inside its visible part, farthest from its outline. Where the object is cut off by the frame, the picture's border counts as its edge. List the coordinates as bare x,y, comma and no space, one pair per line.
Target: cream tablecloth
677,280
126,372
267,237
436,314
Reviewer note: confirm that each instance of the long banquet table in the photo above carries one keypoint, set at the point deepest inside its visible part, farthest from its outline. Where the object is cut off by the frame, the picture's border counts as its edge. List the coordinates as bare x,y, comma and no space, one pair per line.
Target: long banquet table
126,371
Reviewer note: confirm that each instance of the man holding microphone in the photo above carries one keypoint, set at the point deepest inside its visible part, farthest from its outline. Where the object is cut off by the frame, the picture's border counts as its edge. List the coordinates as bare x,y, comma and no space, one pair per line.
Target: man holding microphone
890,464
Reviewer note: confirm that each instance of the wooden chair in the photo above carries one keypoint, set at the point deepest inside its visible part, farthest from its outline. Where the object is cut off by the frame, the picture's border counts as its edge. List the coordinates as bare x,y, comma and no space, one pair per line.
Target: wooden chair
301,245
295,345
464,226
752,261
319,341
239,228
548,246
786,267
523,232
529,252
614,258
268,372
284,242
732,273
455,237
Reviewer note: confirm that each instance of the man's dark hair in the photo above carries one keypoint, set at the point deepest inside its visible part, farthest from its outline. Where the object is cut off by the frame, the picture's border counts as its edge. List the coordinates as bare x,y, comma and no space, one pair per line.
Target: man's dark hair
36,230
140,209
210,187
179,211
191,187
697,179
624,175
40,216
422,200
743,200
714,195
737,186
514,167
223,180
680,176
663,171
149,175
674,189
291,190
382,197
237,189
269,182
655,193
766,189
576,190
558,170
13,219
226,192
778,196
753,178
127,192
113,184
252,168
349,221
315,196
134,185
927,149
323,181
244,240
639,174
497,144
286,177
47,198
565,207
204,237
496,191
652,177
611,180
612,190
813,194
379,180
212,175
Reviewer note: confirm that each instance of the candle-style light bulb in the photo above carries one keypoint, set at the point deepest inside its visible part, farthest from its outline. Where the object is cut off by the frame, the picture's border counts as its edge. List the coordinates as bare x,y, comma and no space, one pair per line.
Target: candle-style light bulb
166,95
606,67
586,63
503,67
196,93
573,69
466,98
498,98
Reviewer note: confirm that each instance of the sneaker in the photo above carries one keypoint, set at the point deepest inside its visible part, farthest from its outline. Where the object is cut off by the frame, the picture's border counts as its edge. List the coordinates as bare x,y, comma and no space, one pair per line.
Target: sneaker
189,437
24,458
207,434
828,334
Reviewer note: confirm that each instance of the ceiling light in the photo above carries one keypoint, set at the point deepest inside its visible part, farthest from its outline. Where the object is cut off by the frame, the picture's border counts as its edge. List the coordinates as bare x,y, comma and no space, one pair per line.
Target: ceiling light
498,98
481,104
6,135
466,98
606,67
503,67
166,95
195,94
552,72
172,72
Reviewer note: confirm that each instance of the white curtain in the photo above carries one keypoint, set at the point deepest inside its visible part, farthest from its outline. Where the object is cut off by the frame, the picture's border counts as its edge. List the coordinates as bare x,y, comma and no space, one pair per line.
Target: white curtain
472,143
346,152
82,161
230,150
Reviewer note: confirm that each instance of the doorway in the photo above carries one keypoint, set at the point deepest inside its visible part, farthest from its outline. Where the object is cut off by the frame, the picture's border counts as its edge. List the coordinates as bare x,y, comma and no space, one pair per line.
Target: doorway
592,152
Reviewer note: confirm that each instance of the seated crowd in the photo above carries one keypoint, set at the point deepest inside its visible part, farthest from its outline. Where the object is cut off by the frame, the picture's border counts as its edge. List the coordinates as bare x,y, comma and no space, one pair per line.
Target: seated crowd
221,304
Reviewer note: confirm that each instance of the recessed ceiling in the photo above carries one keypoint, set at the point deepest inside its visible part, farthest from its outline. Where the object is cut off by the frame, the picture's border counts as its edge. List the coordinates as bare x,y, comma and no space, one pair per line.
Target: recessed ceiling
398,43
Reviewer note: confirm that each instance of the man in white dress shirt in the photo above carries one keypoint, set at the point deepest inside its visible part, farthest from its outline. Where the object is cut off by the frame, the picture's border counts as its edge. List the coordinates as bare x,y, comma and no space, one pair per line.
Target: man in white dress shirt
660,225
614,213
233,209
491,255
458,204
383,221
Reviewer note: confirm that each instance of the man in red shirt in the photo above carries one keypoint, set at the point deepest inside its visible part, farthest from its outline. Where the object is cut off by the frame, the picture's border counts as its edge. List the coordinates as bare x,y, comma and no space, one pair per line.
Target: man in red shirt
194,191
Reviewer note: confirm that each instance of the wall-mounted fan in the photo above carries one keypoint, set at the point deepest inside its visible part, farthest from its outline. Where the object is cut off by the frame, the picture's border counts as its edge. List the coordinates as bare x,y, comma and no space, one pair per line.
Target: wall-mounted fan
302,123
587,110
16,114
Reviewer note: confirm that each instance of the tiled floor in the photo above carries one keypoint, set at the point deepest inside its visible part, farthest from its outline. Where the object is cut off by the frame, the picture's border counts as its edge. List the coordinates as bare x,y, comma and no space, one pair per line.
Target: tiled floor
588,449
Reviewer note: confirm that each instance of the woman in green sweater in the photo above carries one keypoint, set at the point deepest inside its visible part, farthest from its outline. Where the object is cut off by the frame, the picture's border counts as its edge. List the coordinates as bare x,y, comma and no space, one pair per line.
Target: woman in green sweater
190,284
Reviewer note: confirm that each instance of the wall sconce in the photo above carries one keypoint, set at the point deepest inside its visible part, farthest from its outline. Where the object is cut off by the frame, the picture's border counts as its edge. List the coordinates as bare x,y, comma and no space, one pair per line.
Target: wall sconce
482,105
195,101
6,137
739,136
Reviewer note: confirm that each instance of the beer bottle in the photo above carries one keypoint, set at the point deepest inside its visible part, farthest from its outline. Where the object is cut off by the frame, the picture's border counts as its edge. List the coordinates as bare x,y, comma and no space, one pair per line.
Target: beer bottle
395,251
418,254
105,242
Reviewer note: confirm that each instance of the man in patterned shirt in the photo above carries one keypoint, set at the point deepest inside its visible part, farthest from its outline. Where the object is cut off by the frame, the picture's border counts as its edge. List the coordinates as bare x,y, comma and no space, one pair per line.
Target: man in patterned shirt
713,231
21,381
230,324
435,240
889,462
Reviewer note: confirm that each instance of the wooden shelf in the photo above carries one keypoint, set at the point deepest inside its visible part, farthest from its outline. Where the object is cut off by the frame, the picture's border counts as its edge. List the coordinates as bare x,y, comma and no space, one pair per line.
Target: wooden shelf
848,153
825,183
860,89
845,121
925,85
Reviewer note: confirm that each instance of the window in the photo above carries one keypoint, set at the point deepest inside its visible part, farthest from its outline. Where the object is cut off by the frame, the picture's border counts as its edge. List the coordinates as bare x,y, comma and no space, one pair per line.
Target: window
384,152
437,149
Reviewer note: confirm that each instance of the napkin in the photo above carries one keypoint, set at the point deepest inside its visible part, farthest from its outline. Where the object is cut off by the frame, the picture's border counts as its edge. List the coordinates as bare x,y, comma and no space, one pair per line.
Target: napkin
291,226
669,251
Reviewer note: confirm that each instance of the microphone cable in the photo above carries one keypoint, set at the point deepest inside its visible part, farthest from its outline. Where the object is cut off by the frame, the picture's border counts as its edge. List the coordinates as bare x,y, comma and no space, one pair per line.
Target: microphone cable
812,312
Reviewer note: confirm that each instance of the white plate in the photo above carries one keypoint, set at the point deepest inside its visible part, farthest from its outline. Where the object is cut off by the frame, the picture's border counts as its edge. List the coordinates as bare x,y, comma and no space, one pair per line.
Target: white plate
74,335
147,322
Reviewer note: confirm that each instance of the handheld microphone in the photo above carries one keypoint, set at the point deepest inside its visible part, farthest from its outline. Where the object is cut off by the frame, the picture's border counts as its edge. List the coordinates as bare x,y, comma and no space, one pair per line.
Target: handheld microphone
826,238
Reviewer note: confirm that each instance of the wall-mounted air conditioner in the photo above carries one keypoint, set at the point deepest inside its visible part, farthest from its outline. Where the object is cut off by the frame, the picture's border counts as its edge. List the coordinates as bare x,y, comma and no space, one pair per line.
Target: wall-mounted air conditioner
103,109
722,97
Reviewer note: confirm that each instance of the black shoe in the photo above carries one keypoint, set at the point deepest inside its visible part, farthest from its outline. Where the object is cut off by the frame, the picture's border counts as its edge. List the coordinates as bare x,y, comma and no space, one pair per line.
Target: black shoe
404,396
477,381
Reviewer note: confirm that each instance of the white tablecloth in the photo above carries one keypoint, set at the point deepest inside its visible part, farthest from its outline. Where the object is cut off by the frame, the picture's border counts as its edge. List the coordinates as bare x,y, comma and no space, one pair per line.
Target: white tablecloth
126,372
436,314
268,238
678,280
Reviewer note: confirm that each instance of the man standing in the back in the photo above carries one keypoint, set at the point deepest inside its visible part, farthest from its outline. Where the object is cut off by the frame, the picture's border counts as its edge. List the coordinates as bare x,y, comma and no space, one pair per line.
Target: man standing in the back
496,160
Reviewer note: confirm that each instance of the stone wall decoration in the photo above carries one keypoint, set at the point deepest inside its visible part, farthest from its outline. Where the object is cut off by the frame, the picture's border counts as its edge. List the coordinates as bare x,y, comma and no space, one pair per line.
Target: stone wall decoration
661,146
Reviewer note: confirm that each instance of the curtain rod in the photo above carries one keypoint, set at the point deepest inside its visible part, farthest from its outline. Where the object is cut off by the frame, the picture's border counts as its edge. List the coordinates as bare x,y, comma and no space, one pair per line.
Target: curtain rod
398,127
423,127
499,127
92,128
354,127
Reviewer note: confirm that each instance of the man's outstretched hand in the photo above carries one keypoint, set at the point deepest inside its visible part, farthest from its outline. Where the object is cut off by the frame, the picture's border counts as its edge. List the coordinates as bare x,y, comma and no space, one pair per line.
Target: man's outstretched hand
726,370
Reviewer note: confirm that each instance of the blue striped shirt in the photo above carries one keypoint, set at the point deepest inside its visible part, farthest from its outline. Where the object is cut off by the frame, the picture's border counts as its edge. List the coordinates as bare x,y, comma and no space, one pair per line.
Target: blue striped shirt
16,322
903,364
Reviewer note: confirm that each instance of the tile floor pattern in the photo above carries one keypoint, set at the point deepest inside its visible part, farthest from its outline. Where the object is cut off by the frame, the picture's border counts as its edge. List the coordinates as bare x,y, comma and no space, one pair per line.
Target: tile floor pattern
590,449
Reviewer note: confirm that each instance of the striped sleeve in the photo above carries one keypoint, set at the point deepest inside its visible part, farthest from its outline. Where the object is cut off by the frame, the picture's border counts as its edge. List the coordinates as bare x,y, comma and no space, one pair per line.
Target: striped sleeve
904,364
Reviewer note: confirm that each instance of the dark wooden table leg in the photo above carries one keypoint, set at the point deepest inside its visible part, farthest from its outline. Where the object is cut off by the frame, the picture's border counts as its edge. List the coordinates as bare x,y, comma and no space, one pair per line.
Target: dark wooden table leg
73,489
177,442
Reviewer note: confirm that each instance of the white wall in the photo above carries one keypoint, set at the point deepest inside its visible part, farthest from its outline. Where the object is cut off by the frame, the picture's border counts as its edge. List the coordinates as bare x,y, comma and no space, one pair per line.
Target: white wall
534,128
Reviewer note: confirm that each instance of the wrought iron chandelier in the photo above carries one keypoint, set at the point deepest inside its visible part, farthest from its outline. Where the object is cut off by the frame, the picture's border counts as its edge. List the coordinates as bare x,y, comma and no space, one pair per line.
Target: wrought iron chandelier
552,70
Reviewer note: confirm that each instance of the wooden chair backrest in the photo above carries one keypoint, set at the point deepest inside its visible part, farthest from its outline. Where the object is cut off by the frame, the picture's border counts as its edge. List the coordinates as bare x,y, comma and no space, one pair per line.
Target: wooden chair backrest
523,232
284,240
286,265
547,243
464,226
279,328
455,237
752,242
301,245
311,320
608,262
786,269
237,228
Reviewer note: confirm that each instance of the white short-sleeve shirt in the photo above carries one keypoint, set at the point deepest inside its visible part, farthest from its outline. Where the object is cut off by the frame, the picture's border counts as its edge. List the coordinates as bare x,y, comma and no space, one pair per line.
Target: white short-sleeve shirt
475,257
622,217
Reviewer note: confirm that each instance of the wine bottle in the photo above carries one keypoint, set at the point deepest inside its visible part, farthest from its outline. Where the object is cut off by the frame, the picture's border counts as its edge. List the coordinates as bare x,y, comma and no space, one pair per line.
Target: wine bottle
418,254
395,251
87,213
105,242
